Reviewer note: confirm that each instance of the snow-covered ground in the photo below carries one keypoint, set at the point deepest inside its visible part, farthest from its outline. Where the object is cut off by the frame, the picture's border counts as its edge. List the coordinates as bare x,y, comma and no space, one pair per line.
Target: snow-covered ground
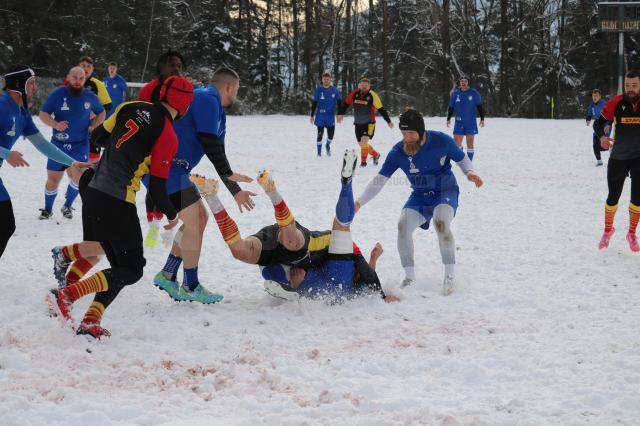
542,327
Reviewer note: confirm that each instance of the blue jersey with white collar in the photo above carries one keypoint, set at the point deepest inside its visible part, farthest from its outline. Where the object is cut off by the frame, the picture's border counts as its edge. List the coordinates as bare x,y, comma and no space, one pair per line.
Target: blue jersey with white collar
15,121
465,104
117,88
63,105
429,169
327,99
206,115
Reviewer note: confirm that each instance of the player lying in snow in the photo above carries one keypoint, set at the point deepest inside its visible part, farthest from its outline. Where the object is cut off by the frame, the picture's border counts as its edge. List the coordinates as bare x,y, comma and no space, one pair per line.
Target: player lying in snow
340,272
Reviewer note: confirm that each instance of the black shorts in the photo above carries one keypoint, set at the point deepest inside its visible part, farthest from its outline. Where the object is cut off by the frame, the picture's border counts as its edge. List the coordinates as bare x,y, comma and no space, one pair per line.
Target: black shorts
273,252
106,218
94,148
367,129
184,198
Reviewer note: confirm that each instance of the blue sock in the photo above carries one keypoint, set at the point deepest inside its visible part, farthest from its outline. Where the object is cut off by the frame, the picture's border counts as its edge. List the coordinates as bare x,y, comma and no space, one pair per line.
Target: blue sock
470,153
49,198
190,280
72,193
345,208
319,147
172,266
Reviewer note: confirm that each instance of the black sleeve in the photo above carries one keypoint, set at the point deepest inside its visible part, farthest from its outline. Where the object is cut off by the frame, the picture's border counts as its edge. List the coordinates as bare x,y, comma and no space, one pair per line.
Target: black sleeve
232,186
107,107
214,151
599,125
343,108
481,112
99,136
314,105
158,190
383,112
450,111
366,276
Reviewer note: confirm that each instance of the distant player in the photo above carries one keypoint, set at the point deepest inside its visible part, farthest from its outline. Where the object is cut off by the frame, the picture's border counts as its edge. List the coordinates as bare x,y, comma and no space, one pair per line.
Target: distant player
116,86
137,137
68,110
365,104
623,112
593,112
465,102
16,121
96,86
341,273
326,100
425,158
170,63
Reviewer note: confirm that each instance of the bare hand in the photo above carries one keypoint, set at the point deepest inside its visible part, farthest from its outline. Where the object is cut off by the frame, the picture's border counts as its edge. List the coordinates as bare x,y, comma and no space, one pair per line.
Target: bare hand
377,251
243,199
390,124
448,123
296,276
357,206
61,126
16,160
311,119
606,142
390,298
475,179
607,128
339,118
481,123
237,177
172,223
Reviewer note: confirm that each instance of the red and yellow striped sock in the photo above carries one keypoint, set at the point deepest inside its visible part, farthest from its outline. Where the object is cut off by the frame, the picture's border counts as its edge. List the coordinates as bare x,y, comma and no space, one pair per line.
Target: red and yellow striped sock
93,316
94,284
372,152
609,215
364,151
228,228
78,269
283,216
634,215
71,252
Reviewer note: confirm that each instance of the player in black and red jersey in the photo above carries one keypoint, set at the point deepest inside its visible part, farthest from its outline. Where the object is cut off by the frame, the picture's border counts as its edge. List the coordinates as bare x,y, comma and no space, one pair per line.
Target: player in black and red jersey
137,139
623,112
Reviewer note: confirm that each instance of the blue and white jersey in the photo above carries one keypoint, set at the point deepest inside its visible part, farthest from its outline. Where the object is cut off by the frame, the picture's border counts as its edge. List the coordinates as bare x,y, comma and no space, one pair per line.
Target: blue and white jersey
15,121
206,115
76,110
429,170
594,110
465,104
117,89
327,99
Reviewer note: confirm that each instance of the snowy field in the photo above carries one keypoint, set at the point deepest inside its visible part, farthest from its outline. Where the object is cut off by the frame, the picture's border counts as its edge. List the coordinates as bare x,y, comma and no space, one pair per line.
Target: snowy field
541,329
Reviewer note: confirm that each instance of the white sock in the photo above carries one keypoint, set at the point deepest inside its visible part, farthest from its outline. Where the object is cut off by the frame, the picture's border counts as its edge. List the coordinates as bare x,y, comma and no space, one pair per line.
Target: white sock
449,270
214,203
275,197
410,272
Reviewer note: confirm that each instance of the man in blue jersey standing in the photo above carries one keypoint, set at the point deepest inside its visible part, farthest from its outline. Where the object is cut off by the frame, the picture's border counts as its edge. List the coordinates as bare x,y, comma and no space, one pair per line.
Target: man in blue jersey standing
201,132
425,158
68,111
116,87
16,121
326,99
466,103
593,113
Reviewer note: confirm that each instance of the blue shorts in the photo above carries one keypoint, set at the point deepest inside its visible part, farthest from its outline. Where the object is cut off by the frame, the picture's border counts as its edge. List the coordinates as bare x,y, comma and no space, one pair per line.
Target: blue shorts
79,151
325,120
4,195
333,278
465,128
426,203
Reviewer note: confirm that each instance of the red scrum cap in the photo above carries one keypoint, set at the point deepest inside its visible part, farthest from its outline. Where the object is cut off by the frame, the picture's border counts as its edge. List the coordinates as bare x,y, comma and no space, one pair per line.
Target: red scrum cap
178,93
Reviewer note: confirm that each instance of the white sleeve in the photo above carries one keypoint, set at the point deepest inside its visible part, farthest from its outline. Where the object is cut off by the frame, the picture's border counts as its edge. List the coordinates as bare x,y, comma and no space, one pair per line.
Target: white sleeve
372,189
465,165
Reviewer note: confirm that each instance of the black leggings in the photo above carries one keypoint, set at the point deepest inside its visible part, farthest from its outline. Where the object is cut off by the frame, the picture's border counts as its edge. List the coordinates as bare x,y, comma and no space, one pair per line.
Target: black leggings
7,224
597,148
330,131
617,172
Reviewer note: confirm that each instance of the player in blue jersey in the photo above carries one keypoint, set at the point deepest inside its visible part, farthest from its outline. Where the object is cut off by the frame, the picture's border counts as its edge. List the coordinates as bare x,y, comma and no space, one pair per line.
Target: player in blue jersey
68,110
116,87
465,102
341,273
16,121
326,99
425,158
593,112
201,132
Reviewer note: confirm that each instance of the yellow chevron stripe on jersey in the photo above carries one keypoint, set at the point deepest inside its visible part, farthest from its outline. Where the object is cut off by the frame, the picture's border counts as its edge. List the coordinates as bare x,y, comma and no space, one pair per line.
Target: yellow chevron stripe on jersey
320,242
134,185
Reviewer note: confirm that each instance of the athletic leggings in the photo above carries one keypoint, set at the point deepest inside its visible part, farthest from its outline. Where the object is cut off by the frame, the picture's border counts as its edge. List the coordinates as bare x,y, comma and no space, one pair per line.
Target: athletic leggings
330,131
617,172
410,220
597,148
7,224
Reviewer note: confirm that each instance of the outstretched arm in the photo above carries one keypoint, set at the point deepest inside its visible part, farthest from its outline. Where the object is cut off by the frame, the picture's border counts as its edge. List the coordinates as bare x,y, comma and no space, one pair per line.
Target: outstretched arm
372,189
467,168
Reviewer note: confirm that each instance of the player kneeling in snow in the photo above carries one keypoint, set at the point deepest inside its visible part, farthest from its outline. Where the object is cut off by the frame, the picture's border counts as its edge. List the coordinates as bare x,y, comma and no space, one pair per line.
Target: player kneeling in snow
336,271
425,157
